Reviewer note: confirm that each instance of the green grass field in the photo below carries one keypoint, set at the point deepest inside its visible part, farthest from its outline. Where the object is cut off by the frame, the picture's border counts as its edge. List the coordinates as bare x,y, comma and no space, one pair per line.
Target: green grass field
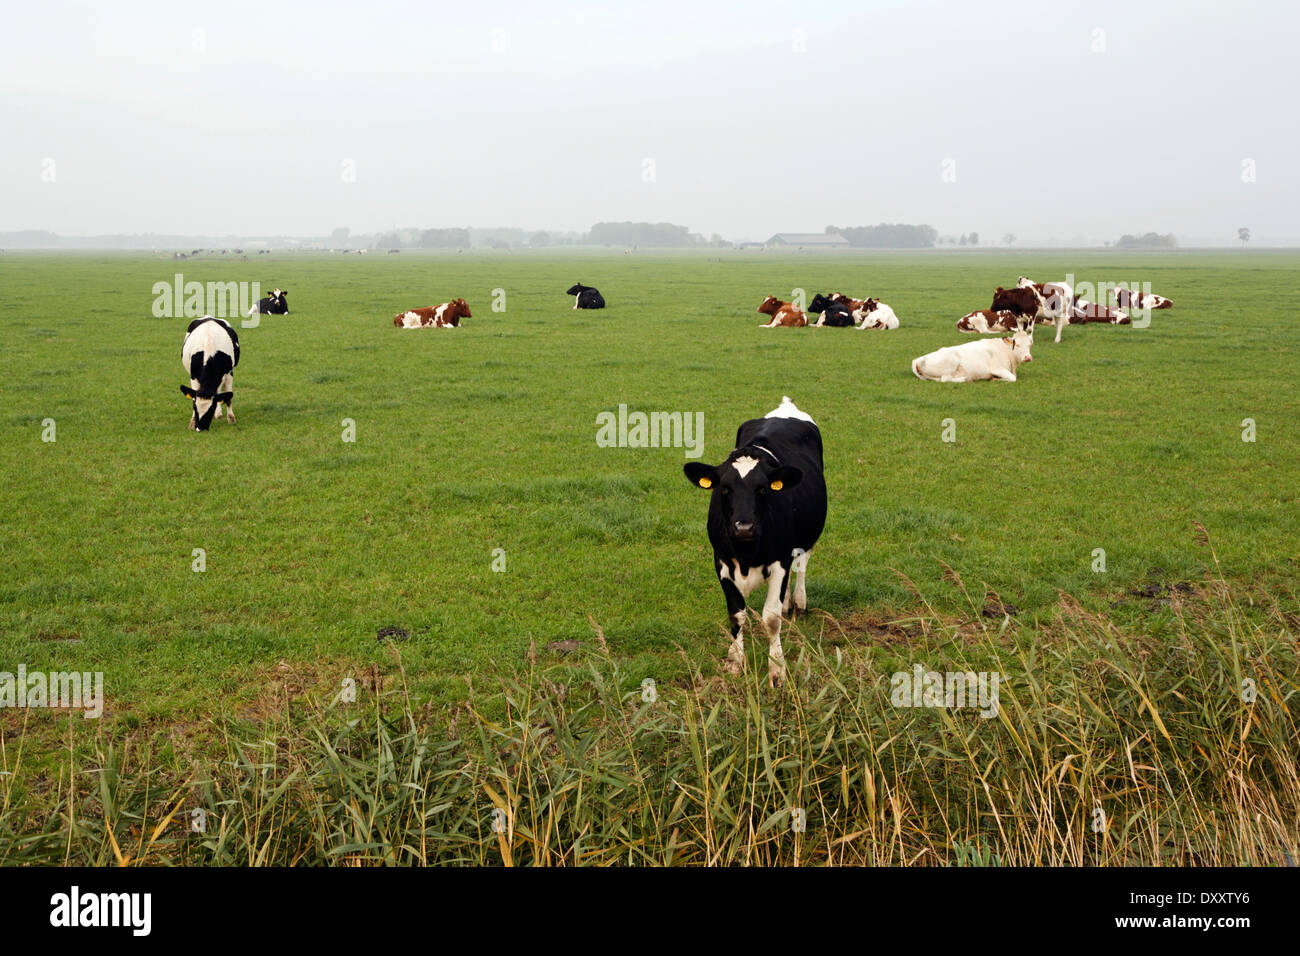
484,438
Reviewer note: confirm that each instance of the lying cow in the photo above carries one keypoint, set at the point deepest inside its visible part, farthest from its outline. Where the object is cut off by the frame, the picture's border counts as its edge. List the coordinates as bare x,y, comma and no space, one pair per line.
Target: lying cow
766,512
782,313
976,361
852,304
1084,311
874,314
1127,299
831,313
445,316
277,303
210,353
1057,300
989,320
586,297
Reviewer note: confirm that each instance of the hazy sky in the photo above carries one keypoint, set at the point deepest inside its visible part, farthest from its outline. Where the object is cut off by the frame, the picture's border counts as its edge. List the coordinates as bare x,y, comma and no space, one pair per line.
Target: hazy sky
756,116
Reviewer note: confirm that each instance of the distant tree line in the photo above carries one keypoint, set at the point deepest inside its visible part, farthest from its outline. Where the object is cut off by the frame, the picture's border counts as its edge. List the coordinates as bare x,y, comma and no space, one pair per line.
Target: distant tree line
888,235
1151,240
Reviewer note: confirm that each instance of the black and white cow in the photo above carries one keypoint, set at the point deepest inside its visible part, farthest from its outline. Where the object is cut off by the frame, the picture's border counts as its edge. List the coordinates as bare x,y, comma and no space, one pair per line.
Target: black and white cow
832,313
586,297
767,510
277,303
210,353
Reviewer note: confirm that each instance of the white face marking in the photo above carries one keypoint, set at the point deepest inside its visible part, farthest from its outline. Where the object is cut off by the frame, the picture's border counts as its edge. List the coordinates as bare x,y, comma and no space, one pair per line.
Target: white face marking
744,465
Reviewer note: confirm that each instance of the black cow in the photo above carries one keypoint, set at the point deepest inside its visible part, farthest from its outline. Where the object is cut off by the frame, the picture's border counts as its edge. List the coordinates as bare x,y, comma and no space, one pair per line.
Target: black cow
767,510
210,353
586,297
832,314
277,303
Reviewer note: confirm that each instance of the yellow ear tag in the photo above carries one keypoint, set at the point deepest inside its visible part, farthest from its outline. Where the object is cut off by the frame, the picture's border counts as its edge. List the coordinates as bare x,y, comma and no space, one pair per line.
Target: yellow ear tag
776,485
706,482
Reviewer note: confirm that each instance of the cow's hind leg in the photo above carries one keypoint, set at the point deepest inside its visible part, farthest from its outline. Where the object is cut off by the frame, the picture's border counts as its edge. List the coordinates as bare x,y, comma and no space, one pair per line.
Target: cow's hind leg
800,568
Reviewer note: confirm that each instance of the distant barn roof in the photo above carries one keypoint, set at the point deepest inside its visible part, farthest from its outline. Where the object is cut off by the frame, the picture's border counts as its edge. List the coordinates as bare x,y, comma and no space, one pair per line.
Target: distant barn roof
807,239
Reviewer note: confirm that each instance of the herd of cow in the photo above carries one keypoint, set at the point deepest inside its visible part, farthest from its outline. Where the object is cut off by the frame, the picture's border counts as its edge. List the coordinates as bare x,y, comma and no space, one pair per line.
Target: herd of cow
768,497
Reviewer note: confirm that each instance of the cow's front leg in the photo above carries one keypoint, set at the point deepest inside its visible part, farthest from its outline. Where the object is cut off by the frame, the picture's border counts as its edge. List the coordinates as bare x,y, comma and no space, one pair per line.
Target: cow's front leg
230,414
772,604
735,659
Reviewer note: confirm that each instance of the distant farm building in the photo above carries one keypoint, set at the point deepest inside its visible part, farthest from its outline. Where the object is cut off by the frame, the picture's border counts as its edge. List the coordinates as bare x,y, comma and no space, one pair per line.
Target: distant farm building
817,240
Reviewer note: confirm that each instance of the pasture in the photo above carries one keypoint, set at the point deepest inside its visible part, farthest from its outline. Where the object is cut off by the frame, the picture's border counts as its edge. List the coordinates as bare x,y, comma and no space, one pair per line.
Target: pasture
484,438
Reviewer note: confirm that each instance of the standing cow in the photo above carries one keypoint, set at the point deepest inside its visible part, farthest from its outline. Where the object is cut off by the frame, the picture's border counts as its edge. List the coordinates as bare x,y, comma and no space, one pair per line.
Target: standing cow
210,353
766,512
1057,299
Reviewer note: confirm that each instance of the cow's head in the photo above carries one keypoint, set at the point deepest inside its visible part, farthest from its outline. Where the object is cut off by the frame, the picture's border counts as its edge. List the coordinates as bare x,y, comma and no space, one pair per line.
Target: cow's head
578,289
461,308
870,305
1021,342
818,304
204,406
1025,283
744,487
770,305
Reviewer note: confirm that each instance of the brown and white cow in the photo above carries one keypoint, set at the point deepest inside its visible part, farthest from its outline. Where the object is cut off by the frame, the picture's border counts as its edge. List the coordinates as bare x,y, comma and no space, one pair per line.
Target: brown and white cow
1057,299
1084,311
782,313
1127,299
989,320
445,316
853,305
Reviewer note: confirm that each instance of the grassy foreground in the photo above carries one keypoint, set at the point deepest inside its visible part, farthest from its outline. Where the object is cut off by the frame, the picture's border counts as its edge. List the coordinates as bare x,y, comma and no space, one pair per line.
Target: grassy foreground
1110,748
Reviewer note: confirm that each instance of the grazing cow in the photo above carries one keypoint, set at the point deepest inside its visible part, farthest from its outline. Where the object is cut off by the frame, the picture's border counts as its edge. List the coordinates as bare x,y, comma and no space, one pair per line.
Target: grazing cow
210,353
989,320
853,305
1084,311
1127,299
976,361
1057,299
277,303
586,297
445,316
766,511
394,252
874,314
782,313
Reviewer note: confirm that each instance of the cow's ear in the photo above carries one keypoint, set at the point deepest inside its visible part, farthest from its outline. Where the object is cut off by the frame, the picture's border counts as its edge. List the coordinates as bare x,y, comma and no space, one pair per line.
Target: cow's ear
189,392
787,476
698,473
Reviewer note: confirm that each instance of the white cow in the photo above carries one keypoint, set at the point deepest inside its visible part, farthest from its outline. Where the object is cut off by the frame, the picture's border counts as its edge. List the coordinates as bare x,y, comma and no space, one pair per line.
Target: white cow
874,314
1056,301
976,361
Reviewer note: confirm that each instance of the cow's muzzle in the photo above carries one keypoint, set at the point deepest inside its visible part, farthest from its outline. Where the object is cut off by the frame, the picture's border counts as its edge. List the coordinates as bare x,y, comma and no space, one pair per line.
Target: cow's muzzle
743,530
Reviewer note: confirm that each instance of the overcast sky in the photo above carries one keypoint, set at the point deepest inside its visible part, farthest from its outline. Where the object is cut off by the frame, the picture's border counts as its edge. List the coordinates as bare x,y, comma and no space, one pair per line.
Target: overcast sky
1052,119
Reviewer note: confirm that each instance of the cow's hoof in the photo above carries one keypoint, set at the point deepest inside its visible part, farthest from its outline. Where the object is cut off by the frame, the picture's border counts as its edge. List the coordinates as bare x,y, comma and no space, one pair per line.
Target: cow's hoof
732,666
775,675
230,417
